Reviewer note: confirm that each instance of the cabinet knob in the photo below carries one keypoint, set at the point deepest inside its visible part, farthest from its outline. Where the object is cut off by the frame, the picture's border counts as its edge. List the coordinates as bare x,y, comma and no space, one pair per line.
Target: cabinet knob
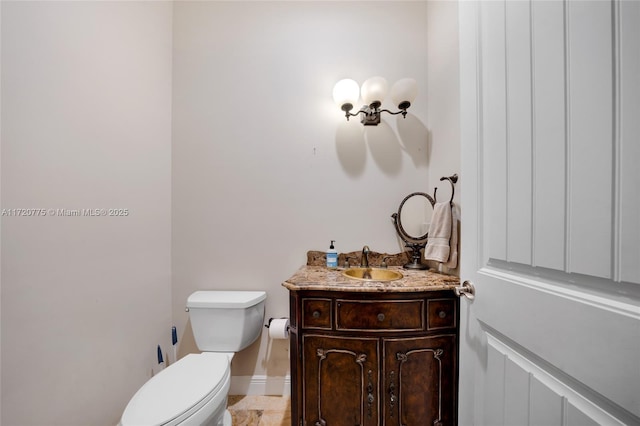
316,314
380,317
442,314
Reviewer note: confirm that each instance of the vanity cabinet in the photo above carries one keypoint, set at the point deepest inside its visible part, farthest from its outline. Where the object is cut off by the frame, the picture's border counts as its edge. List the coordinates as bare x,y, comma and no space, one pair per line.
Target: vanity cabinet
374,358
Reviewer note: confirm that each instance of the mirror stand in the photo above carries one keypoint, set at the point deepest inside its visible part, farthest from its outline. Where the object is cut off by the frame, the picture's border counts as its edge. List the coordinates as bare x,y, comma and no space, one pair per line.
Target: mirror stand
414,239
415,243
416,256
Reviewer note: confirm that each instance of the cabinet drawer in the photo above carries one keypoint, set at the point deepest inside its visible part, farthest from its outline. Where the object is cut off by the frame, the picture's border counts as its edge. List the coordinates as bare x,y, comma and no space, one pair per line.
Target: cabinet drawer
316,313
441,313
380,315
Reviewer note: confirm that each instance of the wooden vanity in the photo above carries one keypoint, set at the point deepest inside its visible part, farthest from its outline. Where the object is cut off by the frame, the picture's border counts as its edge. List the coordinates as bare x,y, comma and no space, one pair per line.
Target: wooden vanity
373,353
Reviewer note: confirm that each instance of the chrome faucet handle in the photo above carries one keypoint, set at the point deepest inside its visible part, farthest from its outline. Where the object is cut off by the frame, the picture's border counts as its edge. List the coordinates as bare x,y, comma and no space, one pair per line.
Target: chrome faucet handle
346,261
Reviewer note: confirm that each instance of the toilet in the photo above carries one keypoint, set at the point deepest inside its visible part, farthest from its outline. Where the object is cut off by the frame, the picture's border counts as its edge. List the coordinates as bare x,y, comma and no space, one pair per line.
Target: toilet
193,391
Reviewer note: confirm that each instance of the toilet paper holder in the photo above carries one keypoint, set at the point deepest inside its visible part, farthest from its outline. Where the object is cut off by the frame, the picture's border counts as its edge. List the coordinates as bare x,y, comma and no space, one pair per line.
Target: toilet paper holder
268,324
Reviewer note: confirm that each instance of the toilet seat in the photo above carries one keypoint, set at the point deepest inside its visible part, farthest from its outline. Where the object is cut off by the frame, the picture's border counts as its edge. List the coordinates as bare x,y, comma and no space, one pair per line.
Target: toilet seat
179,391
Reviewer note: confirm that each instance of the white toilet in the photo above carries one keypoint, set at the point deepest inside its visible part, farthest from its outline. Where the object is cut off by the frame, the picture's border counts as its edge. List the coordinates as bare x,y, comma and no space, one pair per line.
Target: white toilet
193,391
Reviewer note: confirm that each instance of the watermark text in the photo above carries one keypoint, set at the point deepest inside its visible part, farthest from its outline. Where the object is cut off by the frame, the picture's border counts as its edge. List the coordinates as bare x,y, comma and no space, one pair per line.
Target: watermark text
60,212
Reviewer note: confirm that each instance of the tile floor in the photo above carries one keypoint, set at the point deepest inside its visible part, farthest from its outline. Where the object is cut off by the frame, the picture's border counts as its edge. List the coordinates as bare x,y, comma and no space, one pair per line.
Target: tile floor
260,410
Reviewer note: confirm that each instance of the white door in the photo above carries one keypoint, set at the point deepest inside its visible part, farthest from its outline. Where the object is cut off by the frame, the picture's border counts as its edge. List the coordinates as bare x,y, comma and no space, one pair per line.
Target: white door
550,197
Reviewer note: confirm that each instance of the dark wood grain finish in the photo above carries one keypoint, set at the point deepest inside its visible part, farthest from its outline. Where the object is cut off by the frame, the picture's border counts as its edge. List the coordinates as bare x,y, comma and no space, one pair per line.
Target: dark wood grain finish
442,313
316,313
352,400
351,366
422,372
380,315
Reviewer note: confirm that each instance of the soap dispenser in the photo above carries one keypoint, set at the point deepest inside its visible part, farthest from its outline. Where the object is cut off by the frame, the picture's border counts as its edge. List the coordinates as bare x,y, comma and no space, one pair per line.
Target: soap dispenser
332,256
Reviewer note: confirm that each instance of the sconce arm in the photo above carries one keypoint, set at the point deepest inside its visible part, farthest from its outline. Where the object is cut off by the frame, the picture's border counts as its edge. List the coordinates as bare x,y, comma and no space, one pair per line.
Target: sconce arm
403,112
371,114
350,114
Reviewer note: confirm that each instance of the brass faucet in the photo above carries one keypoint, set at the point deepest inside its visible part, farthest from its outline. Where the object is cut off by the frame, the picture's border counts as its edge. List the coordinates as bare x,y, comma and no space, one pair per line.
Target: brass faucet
364,260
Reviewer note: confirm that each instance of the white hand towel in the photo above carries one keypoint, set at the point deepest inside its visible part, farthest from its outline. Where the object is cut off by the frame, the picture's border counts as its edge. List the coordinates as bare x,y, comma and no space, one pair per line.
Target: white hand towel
452,263
438,247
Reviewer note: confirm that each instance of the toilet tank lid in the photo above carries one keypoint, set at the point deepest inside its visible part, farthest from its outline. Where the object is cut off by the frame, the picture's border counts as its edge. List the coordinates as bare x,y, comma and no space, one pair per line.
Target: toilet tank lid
225,299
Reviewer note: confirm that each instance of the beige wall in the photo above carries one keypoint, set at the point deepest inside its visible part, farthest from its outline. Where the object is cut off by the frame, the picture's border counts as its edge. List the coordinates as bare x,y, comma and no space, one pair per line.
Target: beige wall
443,99
443,95
213,123
0,215
86,116
265,167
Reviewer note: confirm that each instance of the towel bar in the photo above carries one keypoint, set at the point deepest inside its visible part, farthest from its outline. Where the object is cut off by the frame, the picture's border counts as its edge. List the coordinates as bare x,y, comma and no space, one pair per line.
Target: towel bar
453,179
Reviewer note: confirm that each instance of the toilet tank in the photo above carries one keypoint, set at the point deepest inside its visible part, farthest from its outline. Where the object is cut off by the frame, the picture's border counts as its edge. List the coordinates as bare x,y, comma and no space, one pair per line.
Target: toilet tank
226,321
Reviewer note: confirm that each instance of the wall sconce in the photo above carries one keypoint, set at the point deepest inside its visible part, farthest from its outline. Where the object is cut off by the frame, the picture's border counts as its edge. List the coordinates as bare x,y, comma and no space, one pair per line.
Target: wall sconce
346,93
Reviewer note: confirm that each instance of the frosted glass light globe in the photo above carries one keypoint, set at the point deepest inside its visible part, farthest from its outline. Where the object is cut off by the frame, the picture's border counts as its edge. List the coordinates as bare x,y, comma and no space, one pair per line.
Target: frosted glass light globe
374,90
404,92
346,91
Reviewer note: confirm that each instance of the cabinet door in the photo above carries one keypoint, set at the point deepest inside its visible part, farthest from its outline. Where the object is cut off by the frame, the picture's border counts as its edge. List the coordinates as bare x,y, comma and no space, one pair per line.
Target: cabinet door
340,381
419,381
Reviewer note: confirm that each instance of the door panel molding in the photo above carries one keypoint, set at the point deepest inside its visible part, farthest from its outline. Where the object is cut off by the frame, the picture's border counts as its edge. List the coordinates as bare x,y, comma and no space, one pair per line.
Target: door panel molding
540,388
574,332
573,310
554,129
597,286
628,131
619,307
549,134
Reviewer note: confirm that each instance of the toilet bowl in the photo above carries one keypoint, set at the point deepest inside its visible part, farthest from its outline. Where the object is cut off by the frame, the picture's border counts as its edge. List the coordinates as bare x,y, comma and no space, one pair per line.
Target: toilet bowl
190,391
194,390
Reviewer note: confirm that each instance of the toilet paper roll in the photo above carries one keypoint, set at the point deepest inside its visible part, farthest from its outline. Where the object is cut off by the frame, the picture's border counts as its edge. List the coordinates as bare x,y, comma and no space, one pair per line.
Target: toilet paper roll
279,328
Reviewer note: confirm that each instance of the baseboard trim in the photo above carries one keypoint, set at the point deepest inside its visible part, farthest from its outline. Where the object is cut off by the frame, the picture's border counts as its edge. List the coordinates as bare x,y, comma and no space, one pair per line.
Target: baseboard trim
260,385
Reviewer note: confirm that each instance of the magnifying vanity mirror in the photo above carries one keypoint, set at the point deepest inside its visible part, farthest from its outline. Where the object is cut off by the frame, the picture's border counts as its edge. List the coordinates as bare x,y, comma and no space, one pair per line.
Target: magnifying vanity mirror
413,219
412,225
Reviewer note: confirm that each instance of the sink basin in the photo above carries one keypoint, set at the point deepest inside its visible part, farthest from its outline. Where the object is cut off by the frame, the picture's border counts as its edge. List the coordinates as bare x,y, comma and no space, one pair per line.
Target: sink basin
372,274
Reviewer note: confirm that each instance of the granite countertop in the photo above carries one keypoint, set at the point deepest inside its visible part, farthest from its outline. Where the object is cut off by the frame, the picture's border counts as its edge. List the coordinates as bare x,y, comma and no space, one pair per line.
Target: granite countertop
311,277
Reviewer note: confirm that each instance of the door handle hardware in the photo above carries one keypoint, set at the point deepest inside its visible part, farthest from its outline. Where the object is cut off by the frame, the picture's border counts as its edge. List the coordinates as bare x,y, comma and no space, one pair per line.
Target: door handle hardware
370,397
467,290
392,394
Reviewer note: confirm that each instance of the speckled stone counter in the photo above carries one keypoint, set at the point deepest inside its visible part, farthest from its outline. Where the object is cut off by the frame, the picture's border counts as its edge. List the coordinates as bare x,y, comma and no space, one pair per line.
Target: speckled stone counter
349,339
322,278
